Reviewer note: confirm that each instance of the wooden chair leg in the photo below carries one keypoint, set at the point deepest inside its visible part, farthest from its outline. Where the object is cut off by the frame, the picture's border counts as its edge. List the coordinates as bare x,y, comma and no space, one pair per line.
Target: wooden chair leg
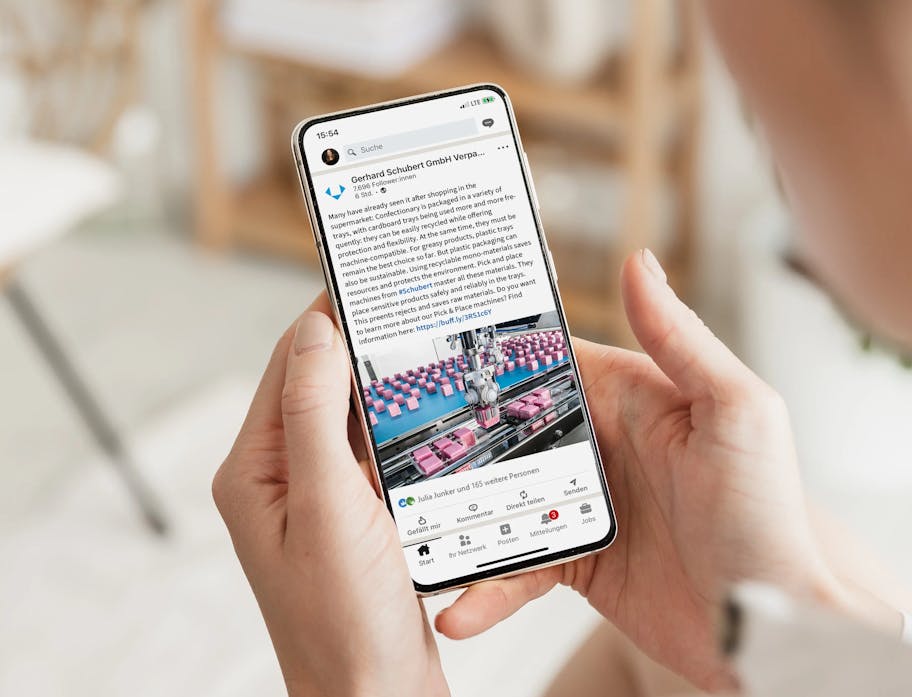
88,408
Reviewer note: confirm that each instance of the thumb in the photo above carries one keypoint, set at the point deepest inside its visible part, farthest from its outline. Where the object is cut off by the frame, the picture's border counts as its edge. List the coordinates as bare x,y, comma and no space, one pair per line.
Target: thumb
683,347
315,405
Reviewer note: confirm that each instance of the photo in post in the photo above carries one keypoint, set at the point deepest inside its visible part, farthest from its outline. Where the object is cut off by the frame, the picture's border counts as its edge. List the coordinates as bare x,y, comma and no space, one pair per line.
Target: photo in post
452,403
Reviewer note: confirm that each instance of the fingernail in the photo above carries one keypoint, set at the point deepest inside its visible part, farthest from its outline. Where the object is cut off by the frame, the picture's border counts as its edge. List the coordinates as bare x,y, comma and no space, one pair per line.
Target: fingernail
313,333
651,263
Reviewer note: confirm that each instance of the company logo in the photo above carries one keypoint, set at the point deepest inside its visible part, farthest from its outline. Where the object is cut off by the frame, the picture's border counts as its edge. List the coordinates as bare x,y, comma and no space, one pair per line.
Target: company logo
338,195
410,501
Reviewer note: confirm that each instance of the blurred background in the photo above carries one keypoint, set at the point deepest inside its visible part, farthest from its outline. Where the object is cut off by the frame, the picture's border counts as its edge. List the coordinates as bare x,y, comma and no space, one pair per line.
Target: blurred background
153,246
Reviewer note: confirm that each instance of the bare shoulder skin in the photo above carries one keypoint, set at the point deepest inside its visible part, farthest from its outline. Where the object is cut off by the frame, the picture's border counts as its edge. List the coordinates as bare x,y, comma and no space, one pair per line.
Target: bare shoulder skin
831,83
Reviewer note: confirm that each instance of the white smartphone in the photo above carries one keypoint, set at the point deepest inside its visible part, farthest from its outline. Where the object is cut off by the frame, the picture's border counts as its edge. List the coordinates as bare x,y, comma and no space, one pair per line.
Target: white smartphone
464,378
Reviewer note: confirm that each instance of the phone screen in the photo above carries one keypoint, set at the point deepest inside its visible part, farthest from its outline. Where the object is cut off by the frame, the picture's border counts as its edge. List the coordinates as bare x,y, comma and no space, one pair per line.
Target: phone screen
463,362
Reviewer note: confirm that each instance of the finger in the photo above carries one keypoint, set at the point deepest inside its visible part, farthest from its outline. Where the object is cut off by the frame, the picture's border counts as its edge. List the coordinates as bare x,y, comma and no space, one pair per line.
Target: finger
683,347
485,604
265,409
356,436
315,406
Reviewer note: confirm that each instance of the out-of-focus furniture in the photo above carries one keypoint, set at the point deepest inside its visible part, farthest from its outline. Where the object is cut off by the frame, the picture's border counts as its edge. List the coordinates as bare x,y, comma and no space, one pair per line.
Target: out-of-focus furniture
50,180
639,116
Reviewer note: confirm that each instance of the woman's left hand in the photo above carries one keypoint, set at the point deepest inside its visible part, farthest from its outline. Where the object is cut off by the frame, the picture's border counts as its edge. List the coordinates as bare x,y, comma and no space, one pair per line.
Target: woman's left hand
319,547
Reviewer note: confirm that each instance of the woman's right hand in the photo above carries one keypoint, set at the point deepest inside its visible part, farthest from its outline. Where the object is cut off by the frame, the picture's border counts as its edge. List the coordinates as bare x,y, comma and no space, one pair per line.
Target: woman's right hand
702,469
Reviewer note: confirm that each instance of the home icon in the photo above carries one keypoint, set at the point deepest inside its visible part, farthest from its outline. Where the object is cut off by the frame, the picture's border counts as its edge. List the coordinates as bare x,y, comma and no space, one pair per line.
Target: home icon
424,550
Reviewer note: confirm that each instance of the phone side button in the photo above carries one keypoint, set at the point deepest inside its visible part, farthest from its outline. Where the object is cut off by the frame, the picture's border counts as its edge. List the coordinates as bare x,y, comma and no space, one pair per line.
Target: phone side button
531,183
551,261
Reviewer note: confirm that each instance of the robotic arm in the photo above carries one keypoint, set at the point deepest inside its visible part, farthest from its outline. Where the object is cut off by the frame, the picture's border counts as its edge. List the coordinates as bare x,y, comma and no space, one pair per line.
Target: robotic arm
481,389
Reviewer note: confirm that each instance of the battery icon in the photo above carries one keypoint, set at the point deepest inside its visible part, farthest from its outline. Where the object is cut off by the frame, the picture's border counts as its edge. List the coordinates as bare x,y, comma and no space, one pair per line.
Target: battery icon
487,100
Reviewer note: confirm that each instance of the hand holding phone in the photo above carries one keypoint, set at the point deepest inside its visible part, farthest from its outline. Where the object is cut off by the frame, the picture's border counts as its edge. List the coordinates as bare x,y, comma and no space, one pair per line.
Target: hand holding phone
321,550
698,449
703,468
426,222
318,547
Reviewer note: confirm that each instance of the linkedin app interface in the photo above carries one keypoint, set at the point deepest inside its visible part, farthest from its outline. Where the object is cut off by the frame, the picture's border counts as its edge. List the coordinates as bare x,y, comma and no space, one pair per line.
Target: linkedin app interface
464,367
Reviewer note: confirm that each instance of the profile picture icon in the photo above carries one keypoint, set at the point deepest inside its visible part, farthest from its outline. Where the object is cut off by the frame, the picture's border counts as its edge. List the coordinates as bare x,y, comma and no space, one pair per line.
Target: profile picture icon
330,156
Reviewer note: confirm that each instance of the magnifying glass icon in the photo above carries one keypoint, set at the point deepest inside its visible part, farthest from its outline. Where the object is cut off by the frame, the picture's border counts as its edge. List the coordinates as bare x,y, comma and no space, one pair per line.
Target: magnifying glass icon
351,151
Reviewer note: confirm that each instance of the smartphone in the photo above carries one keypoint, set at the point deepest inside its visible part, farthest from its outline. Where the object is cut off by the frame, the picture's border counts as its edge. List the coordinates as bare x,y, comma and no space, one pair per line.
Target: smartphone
426,222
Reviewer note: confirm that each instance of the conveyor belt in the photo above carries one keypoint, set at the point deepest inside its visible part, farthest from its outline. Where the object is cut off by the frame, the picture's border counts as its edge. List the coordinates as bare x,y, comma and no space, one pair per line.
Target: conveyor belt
510,438
435,407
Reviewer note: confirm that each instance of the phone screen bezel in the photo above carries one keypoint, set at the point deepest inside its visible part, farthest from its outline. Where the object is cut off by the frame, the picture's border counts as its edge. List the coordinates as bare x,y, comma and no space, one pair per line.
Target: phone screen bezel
320,237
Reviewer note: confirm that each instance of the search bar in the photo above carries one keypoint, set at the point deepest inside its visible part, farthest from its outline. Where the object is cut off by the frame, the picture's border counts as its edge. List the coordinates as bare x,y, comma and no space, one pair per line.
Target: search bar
411,140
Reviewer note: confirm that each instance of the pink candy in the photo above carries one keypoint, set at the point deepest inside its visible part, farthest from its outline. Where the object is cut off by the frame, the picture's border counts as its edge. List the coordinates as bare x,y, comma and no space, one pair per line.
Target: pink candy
446,390
532,365
394,410
455,450
379,405
528,411
399,399
373,418
411,403
422,453
465,436
430,465
514,407
387,394
491,421
431,388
